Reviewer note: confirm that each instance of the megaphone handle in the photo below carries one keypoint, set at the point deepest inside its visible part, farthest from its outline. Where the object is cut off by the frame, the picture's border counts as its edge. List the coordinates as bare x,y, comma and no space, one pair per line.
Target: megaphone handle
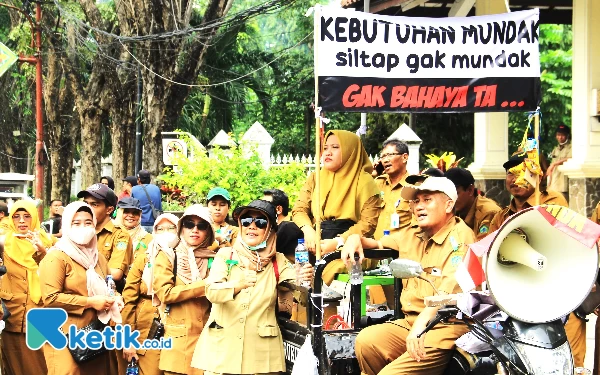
430,283
442,314
438,318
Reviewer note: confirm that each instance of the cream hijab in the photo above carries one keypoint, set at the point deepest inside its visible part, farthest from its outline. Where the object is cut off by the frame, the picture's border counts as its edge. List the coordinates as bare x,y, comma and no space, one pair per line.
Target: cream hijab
87,257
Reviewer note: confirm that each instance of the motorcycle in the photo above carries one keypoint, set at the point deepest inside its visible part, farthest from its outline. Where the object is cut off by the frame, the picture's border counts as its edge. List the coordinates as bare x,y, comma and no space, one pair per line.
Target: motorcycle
510,347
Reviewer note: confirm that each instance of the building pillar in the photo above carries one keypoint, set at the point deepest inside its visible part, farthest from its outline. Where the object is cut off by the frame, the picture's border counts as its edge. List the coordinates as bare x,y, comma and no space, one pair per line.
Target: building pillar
583,169
491,133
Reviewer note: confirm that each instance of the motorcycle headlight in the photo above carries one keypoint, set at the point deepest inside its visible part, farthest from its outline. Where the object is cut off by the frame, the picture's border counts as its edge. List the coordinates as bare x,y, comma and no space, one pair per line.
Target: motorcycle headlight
540,361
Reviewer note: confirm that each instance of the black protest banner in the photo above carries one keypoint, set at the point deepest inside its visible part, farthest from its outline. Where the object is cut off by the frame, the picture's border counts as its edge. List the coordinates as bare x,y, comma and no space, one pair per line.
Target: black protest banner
372,63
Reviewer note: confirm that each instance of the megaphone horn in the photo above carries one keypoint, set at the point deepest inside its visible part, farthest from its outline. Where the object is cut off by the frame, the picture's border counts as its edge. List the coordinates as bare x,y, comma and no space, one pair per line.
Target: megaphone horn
515,249
536,272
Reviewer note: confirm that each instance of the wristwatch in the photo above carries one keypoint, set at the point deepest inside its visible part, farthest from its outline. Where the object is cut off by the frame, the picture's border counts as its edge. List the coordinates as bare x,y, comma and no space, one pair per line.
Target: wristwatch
340,242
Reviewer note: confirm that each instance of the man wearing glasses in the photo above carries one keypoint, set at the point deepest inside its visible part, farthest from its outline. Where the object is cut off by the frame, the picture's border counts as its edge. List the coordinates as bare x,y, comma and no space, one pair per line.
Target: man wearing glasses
395,211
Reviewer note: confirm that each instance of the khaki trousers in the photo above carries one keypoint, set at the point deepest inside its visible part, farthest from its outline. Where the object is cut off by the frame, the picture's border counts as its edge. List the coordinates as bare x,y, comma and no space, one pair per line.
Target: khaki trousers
195,371
18,359
148,363
575,329
381,350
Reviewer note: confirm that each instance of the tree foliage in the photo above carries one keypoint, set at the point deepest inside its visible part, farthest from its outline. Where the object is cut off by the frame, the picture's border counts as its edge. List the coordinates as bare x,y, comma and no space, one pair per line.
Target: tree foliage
556,58
237,170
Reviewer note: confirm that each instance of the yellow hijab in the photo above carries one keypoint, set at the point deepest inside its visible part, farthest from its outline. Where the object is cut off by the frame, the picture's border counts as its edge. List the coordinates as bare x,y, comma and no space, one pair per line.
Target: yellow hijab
21,250
344,192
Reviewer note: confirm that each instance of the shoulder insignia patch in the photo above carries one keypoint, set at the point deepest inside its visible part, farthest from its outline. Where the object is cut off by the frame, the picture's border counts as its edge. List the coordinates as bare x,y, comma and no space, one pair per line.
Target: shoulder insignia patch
121,245
455,245
484,229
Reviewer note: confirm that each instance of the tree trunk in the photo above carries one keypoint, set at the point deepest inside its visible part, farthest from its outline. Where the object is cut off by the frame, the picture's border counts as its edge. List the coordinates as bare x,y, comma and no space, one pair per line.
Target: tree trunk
91,151
60,127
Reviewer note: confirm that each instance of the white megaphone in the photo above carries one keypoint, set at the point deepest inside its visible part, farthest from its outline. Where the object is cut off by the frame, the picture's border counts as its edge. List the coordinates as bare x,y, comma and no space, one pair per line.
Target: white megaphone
537,273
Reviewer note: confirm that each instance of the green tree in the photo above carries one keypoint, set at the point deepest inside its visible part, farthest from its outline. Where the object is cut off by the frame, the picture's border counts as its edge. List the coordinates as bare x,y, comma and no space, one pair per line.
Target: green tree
556,57
242,174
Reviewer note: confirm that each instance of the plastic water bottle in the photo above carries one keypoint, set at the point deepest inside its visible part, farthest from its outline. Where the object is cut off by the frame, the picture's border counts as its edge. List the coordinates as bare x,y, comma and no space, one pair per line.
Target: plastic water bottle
356,273
132,368
301,260
112,287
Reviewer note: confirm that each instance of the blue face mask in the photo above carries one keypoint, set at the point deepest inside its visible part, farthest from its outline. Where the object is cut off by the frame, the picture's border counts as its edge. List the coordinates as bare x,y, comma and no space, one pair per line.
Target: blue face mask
260,246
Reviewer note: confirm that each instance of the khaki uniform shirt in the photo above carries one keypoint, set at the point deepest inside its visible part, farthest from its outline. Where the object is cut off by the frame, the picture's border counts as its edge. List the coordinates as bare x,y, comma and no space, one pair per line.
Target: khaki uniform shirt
230,230
596,214
4,225
558,181
115,245
391,203
480,216
188,313
369,213
64,285
242,336
15,293
141,247
546,197
138,311
439,256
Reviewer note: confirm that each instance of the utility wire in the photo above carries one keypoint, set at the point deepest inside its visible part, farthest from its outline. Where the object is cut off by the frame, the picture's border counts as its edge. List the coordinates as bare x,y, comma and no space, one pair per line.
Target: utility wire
285,51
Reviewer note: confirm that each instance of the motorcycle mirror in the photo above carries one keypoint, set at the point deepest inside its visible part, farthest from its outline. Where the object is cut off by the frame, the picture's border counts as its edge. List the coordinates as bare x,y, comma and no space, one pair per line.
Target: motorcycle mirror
405,268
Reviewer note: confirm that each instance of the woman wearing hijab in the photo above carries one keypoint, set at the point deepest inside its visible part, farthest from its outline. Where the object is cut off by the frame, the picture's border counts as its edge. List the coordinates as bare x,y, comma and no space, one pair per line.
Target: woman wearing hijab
73,278
129,217
24,247
349,198
141,304
242,336
179,284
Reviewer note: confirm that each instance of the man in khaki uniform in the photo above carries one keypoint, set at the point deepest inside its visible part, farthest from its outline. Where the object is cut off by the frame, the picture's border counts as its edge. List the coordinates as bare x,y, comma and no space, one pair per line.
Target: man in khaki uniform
3,218
524,198
113,242
395,211
438,244
560,154
477,211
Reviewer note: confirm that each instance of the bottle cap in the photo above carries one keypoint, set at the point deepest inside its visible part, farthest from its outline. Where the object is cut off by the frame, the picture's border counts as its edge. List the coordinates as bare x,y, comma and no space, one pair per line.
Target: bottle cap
386,232
300,240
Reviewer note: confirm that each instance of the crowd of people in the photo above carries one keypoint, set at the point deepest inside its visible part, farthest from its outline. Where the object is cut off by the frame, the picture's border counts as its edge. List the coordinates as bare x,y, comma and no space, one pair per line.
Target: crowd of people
213,278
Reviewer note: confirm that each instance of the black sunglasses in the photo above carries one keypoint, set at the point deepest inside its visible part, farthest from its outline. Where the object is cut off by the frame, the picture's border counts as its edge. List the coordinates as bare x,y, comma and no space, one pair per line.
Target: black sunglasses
260,222
188,224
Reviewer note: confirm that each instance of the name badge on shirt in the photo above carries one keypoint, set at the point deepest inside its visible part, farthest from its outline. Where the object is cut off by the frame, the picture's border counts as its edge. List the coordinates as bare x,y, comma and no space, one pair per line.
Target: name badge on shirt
394,221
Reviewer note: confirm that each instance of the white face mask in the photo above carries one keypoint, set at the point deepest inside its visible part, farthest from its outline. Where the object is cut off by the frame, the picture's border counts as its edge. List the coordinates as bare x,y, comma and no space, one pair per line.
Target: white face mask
82,236
166,239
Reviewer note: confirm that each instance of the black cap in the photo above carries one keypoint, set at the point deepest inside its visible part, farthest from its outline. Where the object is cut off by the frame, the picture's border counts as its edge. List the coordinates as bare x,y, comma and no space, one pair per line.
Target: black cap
563,129
144,173
429,172
460,177
100,191
260,205
514,160
131,179
129,202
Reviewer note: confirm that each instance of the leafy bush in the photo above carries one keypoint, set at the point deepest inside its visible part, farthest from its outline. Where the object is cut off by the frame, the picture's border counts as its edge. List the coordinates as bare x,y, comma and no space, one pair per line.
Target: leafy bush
241,174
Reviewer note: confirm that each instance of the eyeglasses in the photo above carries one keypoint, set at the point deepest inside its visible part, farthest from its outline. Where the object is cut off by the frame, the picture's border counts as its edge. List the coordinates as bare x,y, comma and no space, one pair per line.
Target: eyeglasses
389,155
165,229
201,225
261,222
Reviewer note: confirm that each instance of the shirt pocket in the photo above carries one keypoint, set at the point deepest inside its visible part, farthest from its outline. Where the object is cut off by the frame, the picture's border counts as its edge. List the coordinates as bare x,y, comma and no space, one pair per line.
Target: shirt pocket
268,331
